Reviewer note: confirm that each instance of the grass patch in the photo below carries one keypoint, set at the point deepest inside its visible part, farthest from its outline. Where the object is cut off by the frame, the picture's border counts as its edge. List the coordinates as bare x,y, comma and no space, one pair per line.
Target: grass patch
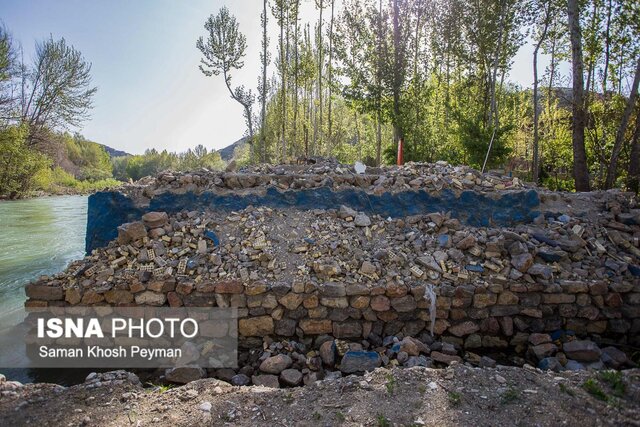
510,395
567,390
159,388
614,380
454,398
382,421
391,383
340,416
592,387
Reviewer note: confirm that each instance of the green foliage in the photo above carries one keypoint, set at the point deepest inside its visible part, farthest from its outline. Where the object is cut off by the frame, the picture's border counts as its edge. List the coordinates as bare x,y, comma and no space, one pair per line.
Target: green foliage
91,158
382,421
19,165
153,161
509,396
58,181
454,398
614,379
592,387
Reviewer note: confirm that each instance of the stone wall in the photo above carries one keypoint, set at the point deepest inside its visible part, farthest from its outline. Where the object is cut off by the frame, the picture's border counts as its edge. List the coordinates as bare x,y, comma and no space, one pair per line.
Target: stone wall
496,315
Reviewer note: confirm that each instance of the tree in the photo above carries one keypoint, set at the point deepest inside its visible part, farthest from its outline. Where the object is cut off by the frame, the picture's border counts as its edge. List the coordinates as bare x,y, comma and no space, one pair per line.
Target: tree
223,52
544,28
264,85
617,146
57,93
580,170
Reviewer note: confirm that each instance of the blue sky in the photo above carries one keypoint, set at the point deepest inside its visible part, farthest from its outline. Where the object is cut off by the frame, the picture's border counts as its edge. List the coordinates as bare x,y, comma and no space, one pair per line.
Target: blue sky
145,64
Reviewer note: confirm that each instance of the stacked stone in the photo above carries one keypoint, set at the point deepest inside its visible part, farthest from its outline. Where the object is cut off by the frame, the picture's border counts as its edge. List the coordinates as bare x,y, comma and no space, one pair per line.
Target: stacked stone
345,274
432,177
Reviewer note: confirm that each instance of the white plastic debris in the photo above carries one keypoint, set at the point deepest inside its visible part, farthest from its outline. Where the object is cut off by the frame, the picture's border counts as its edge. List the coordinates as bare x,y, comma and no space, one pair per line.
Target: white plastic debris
430,295
360,168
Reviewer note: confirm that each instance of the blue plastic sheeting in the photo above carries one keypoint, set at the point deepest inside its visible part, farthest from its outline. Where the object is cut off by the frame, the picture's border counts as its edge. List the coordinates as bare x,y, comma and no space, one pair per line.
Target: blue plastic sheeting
108,210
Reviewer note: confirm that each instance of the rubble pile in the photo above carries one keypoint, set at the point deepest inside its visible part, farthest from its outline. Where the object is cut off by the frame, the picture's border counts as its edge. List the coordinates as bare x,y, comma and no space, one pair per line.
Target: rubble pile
330,291
431,177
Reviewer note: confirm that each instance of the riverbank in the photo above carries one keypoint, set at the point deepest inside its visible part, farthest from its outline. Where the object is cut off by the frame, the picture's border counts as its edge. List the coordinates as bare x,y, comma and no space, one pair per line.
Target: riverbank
458,395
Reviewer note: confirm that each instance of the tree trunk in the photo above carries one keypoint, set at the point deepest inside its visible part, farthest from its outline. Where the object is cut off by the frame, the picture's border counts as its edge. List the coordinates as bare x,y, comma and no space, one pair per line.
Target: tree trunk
330,81
580,170
379,89
633,175
397,129
536,114
295,75
317,128
617,145
283,70
263,89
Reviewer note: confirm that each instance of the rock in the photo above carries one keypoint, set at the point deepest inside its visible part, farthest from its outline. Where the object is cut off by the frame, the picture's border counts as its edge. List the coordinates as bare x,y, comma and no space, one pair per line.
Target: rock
464,328
43,292
2,378
184,374
418,361
612,357
316,326
541,270
362,220
550,364
291,377
367,268
466,243
445,358
537,339
487,362
155,219
225,374
256,326
240,379
522,262
266,380
130,232
582,350
328,353
150,298
346,212
544,350
359,361
205,406
572,365
276,364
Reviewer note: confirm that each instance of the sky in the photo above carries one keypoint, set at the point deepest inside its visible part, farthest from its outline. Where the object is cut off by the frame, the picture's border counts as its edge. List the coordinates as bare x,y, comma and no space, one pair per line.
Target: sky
151,93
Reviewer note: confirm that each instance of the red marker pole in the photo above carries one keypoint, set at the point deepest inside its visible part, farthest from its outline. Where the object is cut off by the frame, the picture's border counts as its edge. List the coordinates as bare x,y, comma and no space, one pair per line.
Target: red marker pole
400,152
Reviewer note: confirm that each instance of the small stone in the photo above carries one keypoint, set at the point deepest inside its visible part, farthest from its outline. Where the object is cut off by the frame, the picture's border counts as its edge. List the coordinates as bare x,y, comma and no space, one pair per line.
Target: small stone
155,219
487,362
240,380
184,374
130,232
291,377
582,350
266,380
445,358
205,406
328,353
360,361
544,350
522,262
611,356
362,220
276,364
367,268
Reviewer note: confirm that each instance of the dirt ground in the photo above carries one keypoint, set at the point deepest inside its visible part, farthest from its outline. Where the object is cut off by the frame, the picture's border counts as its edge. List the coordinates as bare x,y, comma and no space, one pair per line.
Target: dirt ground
458,395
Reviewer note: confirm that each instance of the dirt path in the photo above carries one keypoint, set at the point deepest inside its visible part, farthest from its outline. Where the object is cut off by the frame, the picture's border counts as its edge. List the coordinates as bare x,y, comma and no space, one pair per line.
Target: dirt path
455,396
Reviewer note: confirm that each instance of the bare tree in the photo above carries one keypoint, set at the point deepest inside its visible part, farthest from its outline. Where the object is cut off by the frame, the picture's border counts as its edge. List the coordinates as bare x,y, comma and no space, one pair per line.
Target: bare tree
223,51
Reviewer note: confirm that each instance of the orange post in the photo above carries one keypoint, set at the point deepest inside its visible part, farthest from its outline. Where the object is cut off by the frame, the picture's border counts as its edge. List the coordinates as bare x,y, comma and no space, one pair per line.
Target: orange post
400,152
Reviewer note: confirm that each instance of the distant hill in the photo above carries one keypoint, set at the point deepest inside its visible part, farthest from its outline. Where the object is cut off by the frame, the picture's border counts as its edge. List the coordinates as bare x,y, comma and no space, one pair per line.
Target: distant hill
113,152
227,152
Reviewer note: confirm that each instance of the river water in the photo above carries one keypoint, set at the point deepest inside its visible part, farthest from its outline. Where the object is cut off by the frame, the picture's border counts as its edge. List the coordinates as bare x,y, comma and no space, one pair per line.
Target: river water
37,237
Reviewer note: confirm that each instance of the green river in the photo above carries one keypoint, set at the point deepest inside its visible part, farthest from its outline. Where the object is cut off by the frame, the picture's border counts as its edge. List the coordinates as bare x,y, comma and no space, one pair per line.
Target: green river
37,237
